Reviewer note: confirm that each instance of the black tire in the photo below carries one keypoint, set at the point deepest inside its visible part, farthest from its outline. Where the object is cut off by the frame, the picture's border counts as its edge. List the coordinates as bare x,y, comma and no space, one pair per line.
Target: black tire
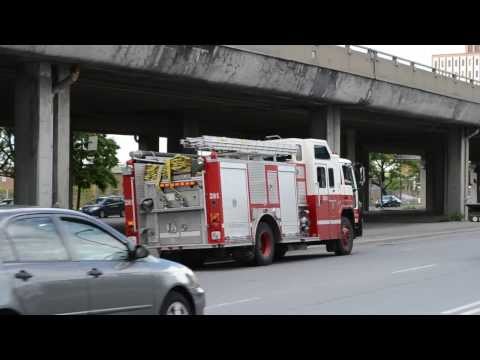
345,243
264,245
280,251
178,301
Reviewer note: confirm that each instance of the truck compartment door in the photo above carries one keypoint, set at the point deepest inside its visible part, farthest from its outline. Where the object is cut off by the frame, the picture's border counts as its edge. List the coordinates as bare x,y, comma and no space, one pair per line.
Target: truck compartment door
288,199
235,199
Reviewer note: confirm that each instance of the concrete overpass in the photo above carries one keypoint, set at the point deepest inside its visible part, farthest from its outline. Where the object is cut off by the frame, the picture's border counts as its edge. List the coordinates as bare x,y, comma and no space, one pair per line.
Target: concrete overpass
357,100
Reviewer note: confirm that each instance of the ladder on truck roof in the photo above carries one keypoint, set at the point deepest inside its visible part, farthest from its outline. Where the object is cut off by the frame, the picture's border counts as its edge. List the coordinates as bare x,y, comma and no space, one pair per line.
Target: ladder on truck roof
233,146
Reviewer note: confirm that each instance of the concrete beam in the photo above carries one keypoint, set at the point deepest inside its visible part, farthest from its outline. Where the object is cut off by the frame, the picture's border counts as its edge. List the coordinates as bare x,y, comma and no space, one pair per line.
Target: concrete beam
33,135
226,66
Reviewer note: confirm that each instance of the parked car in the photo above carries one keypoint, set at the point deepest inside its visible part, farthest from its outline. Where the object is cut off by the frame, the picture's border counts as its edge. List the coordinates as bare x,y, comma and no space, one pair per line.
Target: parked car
55,261
6,202
105,206
389,201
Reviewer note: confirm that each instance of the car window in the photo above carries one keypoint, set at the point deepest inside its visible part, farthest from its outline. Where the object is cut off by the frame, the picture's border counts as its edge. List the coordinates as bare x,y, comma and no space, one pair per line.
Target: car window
36,239
89,242
331,178
321,152
347,174
322,181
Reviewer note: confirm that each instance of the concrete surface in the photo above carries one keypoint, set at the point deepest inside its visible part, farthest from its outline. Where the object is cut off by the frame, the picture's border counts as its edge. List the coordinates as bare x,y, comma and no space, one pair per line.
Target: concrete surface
321,82
381,231
436,275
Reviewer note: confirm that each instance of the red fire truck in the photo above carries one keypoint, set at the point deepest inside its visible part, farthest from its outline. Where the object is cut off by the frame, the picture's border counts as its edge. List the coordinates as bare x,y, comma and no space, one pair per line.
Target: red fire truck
250,199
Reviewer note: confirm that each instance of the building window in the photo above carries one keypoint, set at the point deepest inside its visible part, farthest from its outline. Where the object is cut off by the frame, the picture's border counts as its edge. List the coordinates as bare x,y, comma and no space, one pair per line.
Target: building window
476,74
441,64
463,62
449,63
469,74
456,62
470,62
476,62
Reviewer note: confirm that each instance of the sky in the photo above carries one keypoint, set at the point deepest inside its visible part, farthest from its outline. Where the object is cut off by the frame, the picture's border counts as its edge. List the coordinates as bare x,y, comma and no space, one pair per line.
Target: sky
421,54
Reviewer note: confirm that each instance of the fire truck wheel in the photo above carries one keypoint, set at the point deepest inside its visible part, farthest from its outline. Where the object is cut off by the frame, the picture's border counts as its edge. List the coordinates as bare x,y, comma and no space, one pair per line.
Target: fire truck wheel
264,245
345,243
176,304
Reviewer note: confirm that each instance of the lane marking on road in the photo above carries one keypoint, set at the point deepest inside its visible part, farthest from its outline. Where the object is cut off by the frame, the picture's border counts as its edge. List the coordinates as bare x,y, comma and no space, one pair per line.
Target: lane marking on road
414,268
460,308
232,303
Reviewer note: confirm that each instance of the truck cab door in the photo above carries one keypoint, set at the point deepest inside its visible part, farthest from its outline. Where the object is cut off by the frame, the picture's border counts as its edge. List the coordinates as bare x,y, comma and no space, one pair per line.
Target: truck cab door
322,204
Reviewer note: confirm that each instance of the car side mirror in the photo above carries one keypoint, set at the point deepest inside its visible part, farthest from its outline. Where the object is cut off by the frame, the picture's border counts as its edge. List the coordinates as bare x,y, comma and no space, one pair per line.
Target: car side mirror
140,252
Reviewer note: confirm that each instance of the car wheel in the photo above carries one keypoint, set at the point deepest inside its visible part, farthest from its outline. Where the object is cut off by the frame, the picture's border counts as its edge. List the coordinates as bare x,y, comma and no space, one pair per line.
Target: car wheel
345,243
176,304
264,245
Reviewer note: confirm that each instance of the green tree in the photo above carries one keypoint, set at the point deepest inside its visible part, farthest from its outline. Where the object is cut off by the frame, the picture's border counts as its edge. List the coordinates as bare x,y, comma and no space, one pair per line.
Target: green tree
7,153
88,167
390,173
93,167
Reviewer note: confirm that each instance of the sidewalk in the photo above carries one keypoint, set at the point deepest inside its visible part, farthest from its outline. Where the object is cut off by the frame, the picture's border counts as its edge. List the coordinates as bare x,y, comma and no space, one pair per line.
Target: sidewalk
376,232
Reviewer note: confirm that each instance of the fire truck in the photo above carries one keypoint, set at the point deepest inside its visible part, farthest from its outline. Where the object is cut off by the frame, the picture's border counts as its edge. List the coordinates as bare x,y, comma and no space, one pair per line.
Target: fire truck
252,200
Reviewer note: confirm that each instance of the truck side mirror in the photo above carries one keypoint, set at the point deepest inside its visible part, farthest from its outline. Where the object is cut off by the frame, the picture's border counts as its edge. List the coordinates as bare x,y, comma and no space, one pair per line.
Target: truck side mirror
361,170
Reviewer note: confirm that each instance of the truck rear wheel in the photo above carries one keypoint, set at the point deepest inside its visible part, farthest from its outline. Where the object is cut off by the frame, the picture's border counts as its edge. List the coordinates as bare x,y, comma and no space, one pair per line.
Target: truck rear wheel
264,245
345,243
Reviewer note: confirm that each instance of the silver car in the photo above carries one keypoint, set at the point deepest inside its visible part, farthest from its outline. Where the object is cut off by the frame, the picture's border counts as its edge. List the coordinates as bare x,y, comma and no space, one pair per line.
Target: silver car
55,261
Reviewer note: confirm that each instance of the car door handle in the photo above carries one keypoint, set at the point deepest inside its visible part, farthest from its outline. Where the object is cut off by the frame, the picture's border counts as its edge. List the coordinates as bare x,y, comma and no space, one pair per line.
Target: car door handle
23,275
94,272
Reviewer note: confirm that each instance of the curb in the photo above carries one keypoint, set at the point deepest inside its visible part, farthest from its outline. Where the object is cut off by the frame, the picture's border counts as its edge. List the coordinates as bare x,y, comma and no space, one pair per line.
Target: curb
416,236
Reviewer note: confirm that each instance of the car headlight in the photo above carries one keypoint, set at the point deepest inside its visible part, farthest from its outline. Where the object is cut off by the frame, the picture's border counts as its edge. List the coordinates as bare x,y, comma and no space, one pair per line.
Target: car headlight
95,208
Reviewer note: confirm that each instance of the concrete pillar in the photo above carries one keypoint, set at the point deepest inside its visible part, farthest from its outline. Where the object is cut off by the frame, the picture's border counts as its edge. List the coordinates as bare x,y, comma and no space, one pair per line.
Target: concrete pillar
423,185
351,145
187,128
61,142
148,143
455,172
33,135
325,124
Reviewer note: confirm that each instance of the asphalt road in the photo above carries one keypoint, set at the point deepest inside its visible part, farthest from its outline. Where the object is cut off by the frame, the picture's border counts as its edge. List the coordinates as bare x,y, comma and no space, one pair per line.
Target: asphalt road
437,275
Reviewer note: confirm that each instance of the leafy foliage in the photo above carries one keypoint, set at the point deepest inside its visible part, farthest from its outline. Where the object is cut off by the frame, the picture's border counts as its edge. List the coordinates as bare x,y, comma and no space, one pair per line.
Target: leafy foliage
388,172
88,167
93,167
7,153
